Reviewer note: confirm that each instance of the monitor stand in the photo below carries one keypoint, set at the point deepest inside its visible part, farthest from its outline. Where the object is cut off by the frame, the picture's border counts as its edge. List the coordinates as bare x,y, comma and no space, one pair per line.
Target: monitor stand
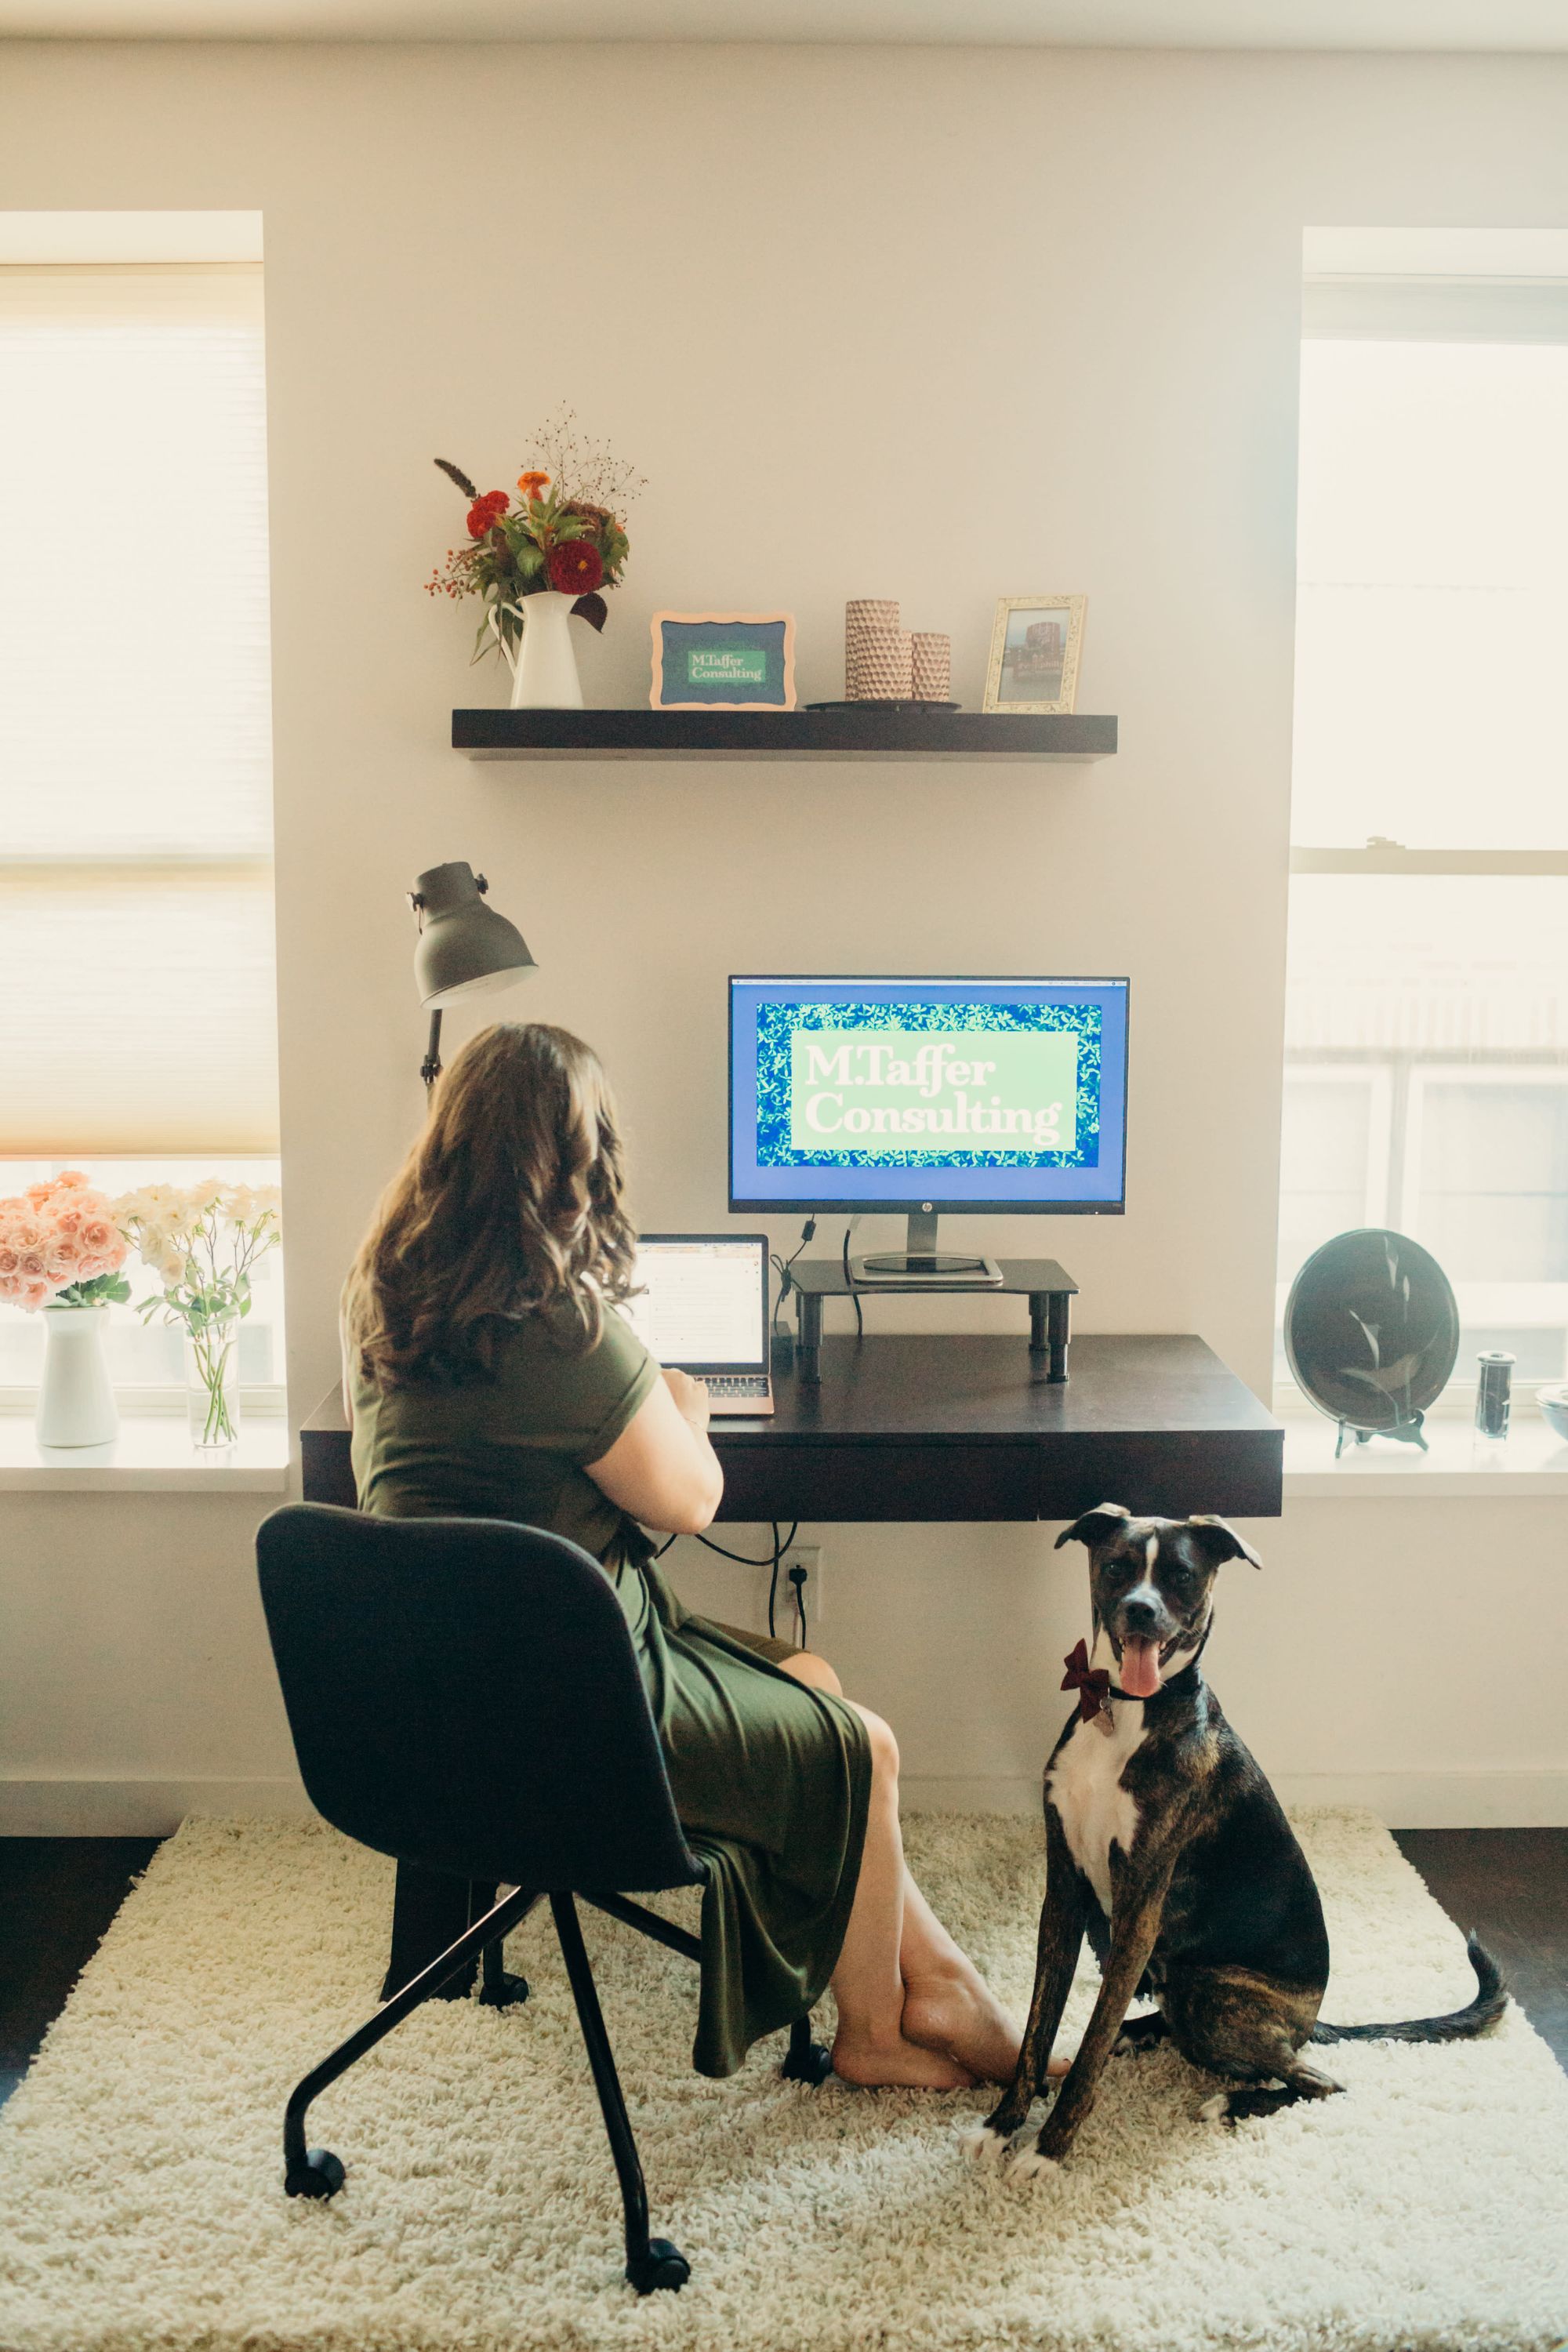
920,1261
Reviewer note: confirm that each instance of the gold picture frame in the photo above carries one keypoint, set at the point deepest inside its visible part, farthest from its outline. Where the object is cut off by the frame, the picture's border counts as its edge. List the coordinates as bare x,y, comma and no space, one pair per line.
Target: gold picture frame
1035,643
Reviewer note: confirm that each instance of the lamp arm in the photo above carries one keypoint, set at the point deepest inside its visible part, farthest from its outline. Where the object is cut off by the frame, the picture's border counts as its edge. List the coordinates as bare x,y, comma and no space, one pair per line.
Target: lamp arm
430,1068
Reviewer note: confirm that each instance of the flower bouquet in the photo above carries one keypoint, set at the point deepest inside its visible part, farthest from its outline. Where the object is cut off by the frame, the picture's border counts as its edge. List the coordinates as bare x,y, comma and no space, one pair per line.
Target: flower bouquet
201,1243
59,1246
561,537
61,1250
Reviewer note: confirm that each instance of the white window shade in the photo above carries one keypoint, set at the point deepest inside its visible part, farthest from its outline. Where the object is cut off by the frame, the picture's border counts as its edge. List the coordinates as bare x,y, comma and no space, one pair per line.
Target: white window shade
135,755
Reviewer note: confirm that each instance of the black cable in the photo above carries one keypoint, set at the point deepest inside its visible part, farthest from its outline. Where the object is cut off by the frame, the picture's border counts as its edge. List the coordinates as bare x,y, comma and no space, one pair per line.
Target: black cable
783,1264
773,1562
854,1294
740,1557
797,1578
779,1551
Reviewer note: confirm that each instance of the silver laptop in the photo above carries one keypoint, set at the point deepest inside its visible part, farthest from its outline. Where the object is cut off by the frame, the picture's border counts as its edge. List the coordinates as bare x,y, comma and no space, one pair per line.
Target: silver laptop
702,1306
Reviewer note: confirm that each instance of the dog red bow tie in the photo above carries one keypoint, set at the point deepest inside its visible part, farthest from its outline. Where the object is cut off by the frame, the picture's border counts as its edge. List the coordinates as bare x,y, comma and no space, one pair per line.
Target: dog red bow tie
1091,1683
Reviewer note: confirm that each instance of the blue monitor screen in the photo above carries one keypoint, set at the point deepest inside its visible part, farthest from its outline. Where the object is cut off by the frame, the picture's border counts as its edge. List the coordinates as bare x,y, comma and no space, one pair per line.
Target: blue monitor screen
968,1093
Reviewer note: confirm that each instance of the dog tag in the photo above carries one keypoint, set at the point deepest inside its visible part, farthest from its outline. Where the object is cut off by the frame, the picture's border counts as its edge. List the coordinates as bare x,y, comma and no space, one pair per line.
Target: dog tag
1105,1721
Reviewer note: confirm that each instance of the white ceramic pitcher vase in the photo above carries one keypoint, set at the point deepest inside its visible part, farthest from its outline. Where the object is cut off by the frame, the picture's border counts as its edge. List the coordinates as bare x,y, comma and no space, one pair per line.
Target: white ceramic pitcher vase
75,1403
545,666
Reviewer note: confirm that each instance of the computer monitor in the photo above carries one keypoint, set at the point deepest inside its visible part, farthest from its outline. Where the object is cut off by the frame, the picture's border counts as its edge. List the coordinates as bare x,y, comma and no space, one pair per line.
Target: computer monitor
931,1096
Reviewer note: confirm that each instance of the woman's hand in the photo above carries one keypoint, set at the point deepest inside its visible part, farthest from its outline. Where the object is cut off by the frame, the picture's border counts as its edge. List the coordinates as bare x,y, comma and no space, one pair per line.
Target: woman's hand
690,1397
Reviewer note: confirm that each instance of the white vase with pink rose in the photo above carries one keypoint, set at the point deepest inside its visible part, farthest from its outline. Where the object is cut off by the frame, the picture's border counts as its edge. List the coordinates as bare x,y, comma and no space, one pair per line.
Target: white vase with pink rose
60,1254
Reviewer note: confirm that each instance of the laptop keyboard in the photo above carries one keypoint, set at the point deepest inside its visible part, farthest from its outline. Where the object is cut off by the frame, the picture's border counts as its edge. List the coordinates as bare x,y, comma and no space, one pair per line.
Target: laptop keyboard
736,1384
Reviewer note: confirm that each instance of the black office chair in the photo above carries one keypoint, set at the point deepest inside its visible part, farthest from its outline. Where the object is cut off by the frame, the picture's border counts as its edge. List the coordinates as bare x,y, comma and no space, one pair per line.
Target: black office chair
464,1694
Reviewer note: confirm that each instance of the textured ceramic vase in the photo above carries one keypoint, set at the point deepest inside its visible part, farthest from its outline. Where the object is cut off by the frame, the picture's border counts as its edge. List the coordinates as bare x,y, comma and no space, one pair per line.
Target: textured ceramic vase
544,665
75,1403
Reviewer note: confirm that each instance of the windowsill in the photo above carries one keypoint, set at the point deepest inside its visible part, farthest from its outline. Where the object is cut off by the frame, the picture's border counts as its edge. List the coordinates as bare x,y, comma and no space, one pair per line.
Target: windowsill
1532,1461
151,1455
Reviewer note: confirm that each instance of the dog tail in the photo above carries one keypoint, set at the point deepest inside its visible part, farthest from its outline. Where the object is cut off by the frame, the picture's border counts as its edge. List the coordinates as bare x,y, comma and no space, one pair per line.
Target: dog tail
1490,2000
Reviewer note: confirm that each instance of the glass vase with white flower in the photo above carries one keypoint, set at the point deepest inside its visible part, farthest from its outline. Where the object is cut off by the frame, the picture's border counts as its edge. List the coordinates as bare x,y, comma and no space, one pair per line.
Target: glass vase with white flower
203,1242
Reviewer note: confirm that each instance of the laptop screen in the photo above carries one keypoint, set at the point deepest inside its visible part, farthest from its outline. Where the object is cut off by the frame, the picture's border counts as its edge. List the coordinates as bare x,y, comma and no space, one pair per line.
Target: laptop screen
703,1300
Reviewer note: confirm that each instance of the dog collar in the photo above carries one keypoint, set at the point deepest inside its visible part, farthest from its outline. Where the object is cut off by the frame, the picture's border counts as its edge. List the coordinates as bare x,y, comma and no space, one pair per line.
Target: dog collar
1096,1690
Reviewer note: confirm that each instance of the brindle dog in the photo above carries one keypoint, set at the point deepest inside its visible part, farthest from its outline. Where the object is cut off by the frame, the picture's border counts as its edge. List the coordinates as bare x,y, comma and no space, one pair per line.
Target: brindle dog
1167,1845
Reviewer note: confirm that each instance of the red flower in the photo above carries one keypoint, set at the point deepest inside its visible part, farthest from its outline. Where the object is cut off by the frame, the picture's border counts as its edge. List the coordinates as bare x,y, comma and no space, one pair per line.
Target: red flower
487,511
574,567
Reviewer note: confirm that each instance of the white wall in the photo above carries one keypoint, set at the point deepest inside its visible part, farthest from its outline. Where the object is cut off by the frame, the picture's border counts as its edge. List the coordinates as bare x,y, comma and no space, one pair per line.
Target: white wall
935,324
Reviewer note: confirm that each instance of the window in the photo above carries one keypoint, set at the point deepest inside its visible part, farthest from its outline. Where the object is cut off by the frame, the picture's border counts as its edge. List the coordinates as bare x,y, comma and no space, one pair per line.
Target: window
136,907
1426,1026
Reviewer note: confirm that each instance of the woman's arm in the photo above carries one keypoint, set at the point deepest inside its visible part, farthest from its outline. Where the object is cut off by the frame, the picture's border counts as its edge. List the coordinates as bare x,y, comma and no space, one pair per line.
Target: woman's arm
661,1468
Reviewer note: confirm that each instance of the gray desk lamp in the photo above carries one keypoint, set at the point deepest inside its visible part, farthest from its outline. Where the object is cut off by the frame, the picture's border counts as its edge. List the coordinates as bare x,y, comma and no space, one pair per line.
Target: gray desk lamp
465,948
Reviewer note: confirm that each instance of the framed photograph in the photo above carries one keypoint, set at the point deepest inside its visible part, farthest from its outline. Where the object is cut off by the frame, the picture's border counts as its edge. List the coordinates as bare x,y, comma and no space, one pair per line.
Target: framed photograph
723,661
1034,654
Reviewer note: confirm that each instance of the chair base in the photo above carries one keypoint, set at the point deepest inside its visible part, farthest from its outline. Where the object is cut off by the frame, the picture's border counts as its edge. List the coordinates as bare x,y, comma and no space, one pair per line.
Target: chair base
652,2264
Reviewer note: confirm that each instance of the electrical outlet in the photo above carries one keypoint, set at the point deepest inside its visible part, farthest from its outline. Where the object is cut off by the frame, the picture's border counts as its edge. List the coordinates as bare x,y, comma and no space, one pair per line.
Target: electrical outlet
809,1557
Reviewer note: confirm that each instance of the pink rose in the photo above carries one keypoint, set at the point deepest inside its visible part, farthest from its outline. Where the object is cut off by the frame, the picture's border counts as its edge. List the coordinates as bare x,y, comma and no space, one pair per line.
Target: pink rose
30,1263
39,1193
26,1232
10,1260
34,1295
72,1177
101,1236
70,1221
65,1259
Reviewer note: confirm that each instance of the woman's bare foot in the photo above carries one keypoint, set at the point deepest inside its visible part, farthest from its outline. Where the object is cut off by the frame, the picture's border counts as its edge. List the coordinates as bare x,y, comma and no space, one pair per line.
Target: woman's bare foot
883,2066
954,2011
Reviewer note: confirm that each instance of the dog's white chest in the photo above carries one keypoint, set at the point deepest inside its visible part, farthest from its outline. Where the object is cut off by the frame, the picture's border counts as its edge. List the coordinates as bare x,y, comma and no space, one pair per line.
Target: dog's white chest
1084,1784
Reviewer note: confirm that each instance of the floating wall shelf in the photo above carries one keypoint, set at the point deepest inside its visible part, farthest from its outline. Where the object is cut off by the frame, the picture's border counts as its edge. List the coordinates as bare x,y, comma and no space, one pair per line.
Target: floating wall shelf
866,733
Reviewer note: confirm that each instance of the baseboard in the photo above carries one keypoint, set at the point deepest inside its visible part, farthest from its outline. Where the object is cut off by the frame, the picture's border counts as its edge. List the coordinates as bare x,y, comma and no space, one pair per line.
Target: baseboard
81,1808
1405,1801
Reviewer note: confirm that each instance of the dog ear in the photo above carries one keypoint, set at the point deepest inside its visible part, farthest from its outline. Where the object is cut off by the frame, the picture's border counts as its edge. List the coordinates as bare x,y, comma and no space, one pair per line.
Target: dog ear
1218,1542
1096,1527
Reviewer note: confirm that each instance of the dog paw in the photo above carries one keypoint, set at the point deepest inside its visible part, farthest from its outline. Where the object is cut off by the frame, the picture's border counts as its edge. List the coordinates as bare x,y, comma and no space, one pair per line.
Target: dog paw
1032,2166
982,2145
1216,2110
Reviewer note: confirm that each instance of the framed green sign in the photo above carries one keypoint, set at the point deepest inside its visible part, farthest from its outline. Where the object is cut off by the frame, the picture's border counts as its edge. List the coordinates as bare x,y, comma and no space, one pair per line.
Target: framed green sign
723,661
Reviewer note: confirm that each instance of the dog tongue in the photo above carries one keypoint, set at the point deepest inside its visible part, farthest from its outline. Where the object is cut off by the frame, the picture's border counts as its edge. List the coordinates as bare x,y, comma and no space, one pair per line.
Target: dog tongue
1140,1666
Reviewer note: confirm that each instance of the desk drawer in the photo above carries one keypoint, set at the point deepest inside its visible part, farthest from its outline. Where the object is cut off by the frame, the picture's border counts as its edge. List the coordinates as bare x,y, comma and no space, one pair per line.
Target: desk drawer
876,1480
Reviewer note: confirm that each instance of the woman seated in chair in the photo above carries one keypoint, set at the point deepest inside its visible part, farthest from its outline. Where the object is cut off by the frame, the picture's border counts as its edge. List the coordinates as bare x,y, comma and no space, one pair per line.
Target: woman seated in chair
488,1374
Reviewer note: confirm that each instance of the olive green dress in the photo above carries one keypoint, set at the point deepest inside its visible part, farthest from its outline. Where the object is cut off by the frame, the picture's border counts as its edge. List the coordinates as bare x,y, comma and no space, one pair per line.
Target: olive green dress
771,1779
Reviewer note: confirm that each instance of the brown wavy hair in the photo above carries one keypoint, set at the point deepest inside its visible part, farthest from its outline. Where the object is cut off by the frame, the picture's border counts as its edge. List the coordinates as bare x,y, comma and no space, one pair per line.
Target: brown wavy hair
510,1201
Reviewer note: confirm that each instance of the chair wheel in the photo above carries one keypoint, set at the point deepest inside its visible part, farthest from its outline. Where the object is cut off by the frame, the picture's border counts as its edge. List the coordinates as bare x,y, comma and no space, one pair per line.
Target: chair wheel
663,2265
320,2174
507,1992
812,2065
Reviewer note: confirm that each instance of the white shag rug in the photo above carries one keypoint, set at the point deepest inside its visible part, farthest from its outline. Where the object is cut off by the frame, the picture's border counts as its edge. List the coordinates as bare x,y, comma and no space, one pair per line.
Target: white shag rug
142,2205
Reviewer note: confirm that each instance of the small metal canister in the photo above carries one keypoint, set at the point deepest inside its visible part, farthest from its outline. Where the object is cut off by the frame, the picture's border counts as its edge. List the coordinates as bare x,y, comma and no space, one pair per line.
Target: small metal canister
1494,1383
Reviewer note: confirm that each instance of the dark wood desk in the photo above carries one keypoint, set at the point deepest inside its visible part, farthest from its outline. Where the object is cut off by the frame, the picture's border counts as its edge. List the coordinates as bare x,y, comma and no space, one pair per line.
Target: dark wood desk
922,1427
927,1428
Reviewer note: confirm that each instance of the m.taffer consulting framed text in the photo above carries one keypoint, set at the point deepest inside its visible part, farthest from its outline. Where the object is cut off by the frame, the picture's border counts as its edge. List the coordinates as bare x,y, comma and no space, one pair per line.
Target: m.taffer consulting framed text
723,661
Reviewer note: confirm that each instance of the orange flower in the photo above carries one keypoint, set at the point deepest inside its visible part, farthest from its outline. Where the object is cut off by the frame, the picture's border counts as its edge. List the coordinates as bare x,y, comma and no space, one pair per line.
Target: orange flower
532,484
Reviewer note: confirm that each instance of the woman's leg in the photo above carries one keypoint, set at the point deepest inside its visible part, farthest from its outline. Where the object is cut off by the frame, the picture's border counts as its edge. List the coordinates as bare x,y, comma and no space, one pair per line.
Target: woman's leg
947,2006
871,2046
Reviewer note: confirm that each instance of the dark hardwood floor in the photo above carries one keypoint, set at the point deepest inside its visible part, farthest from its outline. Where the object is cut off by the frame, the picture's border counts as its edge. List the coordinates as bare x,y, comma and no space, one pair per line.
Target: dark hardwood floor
58,1897
1511,1887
